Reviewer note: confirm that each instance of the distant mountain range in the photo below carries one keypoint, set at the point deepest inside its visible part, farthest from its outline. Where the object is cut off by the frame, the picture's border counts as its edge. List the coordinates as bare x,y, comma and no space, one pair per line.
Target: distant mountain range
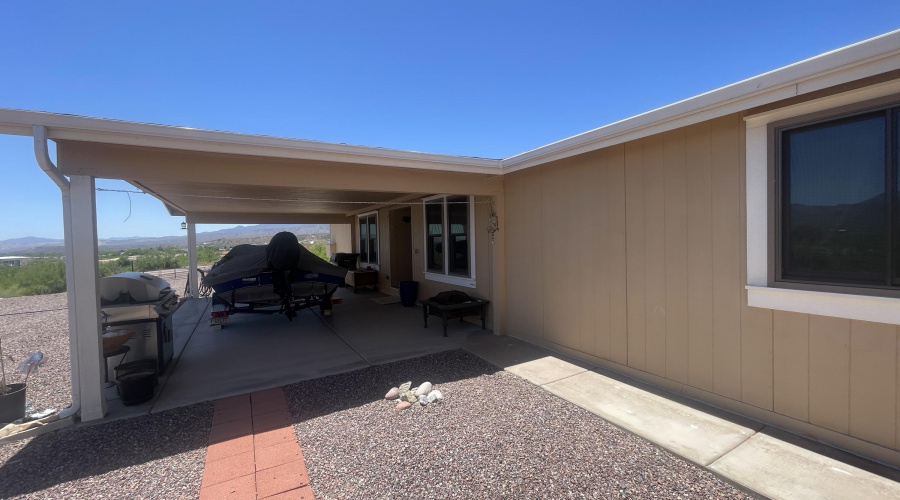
230,236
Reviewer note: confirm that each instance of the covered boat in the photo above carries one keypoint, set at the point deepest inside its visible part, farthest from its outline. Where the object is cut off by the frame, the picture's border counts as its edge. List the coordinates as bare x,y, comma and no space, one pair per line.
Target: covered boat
281,277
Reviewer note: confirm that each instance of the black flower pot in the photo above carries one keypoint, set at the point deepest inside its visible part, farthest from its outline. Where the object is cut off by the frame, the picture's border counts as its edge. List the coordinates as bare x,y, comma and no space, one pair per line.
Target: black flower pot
12,404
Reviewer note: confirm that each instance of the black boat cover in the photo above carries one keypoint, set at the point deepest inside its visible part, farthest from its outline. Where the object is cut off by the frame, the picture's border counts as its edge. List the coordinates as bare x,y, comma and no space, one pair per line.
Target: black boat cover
244,261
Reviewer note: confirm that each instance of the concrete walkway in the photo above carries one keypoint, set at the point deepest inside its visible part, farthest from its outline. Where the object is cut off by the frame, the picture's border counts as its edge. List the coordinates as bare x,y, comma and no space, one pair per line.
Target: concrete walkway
756,457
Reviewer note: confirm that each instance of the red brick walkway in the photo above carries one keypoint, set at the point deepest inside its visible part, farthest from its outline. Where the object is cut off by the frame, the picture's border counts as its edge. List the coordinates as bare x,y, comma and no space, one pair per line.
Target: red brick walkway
253,452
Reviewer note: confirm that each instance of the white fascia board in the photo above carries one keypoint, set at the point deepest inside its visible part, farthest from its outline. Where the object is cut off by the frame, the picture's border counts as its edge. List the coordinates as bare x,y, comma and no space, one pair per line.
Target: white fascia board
860,60
81,128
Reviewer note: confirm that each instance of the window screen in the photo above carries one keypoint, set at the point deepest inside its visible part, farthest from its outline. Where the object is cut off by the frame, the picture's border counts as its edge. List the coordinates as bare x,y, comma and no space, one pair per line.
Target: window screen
837,198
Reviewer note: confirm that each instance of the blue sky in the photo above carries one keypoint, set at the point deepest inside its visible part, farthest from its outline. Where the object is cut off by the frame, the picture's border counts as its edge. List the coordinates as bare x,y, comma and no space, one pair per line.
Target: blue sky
473,78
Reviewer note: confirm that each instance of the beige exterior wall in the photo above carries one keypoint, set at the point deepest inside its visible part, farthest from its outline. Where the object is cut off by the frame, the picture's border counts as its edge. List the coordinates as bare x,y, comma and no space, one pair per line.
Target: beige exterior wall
428,288
634,257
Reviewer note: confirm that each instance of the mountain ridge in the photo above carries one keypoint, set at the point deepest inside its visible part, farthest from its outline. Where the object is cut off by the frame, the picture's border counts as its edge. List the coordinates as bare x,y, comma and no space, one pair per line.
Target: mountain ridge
33,244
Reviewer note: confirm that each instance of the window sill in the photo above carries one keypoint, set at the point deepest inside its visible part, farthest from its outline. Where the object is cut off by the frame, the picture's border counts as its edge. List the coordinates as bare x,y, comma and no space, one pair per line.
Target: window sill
451,280
363,266
838,305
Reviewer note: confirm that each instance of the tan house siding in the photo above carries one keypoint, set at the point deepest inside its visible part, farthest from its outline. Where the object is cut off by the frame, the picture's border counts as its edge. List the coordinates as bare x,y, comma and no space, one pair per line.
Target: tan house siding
635,255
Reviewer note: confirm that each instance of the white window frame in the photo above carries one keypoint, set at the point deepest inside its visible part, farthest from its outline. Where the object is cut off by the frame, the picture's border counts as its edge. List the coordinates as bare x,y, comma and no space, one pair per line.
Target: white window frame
449,279
375,264
760,291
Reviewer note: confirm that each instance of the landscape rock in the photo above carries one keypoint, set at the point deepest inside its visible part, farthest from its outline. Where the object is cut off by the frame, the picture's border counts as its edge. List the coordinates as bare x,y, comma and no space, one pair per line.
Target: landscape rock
423,389
437,395
423,400
403,405
411,397
394,393
405,387
432,396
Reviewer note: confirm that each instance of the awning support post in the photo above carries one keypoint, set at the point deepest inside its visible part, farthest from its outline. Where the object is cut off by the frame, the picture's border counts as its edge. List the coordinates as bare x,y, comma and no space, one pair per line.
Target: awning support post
86,284
192,257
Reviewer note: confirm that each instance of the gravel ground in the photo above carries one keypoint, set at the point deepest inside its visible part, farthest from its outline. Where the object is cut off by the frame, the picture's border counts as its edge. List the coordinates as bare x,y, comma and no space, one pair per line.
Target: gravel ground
157,456
23,330
495,435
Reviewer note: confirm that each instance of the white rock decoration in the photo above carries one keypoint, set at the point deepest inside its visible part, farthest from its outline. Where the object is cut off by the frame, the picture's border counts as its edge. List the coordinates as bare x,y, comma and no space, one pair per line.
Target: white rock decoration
436,394
423,400
394,393
423,389
432,397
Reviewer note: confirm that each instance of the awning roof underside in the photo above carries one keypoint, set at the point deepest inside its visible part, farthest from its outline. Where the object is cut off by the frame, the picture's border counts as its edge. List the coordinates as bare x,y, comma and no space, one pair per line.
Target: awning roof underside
228,188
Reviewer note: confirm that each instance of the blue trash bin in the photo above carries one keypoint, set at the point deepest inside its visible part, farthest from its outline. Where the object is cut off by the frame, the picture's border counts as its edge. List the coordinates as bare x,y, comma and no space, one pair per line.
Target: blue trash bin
408,292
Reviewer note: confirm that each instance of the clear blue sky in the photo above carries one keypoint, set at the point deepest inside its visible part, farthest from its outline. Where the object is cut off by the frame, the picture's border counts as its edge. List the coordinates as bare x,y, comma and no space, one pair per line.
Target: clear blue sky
462,77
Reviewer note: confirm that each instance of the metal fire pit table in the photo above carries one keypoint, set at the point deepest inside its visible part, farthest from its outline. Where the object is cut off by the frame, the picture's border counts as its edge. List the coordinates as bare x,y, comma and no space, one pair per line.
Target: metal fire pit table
474,307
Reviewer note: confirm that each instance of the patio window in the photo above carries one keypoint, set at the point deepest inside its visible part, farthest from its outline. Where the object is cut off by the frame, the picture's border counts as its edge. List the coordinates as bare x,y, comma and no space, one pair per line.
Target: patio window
838,204
368,238
449,247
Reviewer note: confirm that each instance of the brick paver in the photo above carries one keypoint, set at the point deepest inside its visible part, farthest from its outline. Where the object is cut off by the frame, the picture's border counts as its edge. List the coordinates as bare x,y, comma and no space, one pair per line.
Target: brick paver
253,453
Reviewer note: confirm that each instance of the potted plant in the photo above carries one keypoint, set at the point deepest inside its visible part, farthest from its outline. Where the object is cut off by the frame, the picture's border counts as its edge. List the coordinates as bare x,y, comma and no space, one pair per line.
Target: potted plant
12,396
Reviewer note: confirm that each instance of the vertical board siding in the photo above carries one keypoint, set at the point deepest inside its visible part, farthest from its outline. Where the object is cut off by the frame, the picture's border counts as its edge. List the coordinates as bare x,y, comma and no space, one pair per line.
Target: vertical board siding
873,358
517,234
829,373
725,155
792,364
676,251
637,254
655,254
700,272
616,225
635,245
597,309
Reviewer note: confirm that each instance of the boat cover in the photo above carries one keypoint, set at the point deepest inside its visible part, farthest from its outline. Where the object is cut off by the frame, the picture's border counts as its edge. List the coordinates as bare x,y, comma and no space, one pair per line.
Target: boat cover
245,261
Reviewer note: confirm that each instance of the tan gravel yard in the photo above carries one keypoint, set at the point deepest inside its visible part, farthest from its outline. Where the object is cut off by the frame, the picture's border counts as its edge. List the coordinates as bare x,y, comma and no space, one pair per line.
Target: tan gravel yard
494,435
155,456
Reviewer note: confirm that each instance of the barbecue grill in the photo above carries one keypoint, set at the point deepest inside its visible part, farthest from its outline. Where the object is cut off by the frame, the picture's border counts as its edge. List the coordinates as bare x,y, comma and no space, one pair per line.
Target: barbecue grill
144,304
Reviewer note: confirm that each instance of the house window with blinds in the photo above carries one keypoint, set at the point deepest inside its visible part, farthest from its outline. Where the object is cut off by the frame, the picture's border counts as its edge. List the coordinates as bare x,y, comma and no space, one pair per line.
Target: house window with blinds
449,247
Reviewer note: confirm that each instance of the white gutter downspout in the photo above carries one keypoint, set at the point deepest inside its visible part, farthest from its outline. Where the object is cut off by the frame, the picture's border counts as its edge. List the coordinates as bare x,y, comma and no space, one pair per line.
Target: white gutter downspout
42,155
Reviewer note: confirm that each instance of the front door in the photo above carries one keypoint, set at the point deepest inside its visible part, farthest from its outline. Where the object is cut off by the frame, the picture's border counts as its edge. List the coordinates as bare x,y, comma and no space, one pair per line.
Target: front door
401,246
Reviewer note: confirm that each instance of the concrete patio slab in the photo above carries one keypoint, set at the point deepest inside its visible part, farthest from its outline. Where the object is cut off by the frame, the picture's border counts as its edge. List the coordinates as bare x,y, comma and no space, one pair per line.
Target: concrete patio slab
780,465
693,434
391,332
255,352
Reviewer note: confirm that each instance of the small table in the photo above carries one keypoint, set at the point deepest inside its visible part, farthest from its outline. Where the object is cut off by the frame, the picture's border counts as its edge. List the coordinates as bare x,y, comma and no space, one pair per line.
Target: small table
361,277
474,307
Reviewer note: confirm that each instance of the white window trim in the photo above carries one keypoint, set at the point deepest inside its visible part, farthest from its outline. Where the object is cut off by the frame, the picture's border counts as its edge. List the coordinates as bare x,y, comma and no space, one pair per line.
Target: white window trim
374,265
762,293
465,281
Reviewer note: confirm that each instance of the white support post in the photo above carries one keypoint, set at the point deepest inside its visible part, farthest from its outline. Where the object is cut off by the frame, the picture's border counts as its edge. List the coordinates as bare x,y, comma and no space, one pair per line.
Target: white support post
70,298
86,284
192,257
